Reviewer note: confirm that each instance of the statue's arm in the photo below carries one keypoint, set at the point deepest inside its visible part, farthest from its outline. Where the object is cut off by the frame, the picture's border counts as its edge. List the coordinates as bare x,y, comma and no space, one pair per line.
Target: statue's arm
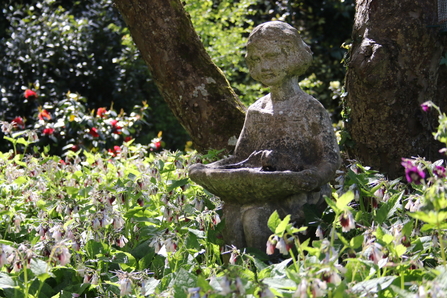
329,162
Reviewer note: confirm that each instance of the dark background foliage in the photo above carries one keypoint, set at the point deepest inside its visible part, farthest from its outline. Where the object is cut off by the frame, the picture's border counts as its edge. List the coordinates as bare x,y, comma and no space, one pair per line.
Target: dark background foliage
84,47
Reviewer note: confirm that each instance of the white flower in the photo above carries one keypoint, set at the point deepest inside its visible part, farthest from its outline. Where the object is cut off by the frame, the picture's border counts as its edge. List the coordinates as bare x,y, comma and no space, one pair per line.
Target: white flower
347,221
118,222
233,258
125,286
267,293
301,290
171,246
63,255
240,287
282,247
318,288
96,224
156,245
121,241
225,285
374,252
319,233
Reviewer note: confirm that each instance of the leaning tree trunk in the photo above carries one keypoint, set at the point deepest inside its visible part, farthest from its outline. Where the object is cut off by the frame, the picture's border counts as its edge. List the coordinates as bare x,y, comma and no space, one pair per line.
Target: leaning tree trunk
192,85
394,67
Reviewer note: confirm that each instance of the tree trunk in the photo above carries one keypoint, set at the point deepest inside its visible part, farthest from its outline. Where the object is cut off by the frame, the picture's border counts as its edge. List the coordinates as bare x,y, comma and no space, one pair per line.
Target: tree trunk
394,67
192,85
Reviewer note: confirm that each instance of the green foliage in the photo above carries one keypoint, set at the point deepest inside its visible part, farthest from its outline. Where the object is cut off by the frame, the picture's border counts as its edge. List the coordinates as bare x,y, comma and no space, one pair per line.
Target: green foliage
223,28
79,47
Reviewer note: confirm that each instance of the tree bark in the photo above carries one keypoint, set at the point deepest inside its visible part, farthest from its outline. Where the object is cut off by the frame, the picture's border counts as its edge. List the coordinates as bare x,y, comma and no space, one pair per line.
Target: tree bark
394,67
193,86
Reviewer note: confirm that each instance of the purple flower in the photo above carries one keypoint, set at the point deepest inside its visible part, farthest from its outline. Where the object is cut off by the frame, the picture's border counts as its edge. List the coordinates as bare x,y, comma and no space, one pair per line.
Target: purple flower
426,106
412,172
439,171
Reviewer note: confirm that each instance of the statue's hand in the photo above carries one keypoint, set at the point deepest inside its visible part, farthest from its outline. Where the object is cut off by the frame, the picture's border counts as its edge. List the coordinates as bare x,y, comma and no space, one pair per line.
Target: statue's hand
268,160
309,180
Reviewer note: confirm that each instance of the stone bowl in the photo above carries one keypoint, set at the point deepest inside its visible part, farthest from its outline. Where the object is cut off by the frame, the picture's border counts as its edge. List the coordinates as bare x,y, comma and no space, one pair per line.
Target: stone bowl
247,185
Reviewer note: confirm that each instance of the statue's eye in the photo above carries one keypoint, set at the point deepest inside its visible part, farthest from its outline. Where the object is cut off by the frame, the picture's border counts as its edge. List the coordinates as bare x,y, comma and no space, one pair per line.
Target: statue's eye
253,60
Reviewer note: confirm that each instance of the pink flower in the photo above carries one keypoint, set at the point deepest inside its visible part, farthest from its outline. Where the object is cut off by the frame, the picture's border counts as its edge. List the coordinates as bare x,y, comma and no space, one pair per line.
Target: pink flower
30,94
270,245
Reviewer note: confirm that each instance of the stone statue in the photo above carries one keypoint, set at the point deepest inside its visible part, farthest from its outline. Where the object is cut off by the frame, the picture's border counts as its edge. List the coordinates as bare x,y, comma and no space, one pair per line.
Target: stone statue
287,151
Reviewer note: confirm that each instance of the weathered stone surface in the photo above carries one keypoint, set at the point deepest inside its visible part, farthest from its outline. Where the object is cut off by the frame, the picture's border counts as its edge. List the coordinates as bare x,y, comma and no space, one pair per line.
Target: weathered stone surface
287,151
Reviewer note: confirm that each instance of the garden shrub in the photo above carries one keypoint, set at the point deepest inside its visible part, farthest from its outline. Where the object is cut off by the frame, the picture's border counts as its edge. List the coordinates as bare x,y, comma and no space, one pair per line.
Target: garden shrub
56,47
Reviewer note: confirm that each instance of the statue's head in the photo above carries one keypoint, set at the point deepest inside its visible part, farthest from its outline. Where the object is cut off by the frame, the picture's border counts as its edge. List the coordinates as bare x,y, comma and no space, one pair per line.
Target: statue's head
280,39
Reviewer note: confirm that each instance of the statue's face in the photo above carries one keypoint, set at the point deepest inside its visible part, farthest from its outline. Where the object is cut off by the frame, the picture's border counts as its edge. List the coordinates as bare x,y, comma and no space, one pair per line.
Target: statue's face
267,62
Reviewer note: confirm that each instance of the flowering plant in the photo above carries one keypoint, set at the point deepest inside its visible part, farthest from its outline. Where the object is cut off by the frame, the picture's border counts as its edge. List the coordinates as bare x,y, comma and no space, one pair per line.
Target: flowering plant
134,225
68,126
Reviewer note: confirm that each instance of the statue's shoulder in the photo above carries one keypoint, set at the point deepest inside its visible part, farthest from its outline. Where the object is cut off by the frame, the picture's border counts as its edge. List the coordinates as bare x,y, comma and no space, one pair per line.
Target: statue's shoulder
259,104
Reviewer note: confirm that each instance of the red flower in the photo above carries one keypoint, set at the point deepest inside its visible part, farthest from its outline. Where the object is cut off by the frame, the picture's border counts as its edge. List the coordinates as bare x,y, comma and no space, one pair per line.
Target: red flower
128,139
30,94
157,145
18,122
44,115
94,132
74,148
48,131
115,150
115,127
101,112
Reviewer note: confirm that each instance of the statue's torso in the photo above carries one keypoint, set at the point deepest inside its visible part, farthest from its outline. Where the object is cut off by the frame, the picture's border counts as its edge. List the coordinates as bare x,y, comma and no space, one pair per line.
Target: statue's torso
291,129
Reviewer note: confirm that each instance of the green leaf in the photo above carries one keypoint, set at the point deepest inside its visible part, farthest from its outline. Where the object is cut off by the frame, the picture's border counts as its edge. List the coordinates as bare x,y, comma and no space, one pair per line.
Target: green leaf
431,217
72,190
149,286
177,183
344,200
21,180
40,269
373,285
282,227
332,204
356,242
400,250
6,281
23,142
389,208
183,279
273,221
387,238
280,283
